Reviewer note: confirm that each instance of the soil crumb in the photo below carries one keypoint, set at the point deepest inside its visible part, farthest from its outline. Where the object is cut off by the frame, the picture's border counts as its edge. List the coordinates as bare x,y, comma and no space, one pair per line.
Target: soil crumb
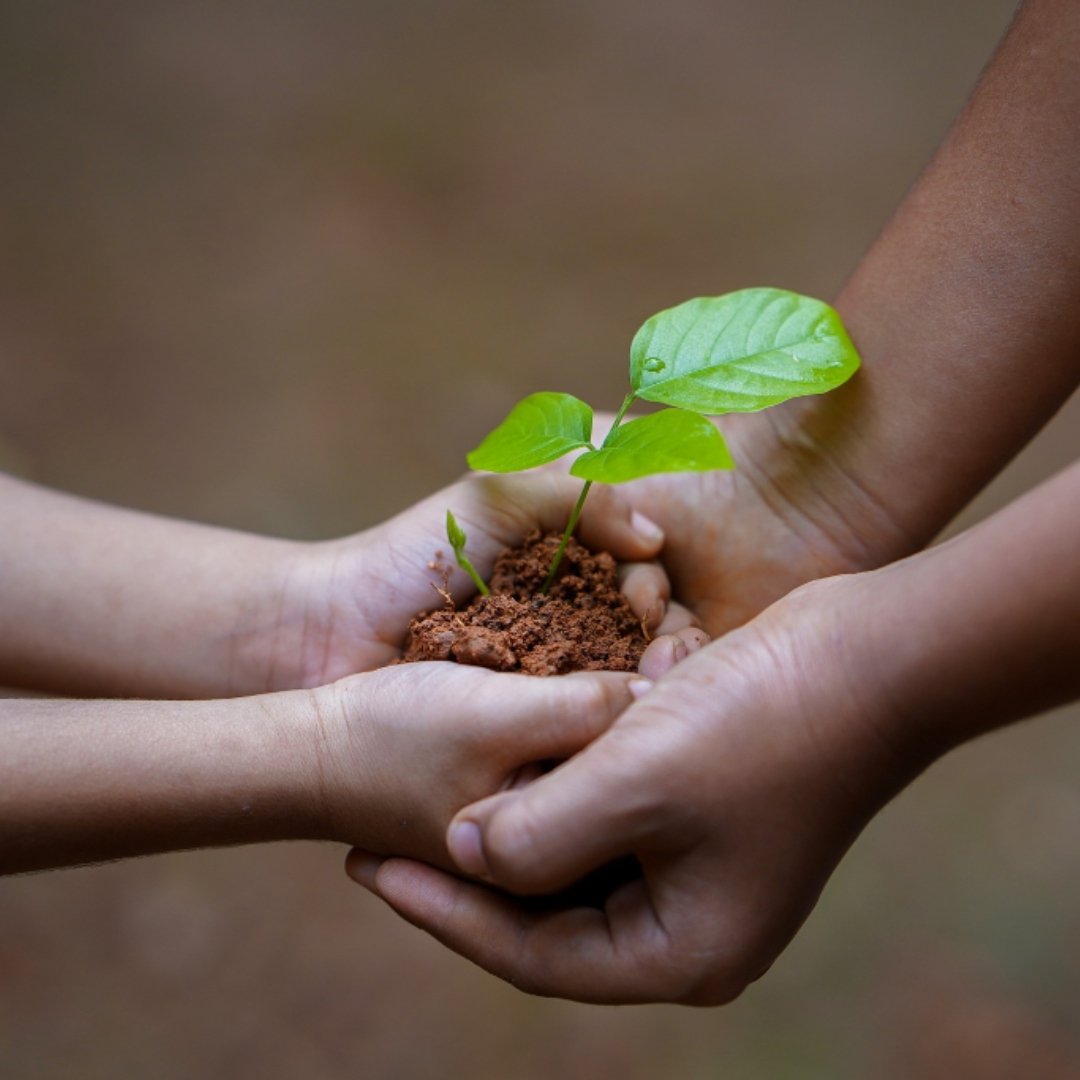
583,624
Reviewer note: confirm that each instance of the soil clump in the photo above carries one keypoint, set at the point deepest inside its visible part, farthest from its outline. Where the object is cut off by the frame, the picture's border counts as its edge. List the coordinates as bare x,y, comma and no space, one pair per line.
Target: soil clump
583,624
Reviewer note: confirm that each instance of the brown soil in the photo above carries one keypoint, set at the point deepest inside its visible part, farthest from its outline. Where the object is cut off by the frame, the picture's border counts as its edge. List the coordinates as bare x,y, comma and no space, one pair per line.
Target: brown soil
583,624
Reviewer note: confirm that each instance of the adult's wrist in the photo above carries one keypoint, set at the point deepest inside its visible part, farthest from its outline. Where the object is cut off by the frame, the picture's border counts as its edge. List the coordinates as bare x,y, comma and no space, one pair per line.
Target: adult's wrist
848,685
884,665
820,458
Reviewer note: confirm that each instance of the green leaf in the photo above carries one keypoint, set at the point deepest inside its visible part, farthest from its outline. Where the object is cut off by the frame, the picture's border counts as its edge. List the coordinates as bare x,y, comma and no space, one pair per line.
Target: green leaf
538,429
668,441
741,352
455,534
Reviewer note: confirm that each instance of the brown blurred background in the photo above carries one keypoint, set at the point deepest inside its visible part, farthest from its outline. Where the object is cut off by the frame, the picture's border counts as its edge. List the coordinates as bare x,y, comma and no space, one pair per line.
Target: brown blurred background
275,266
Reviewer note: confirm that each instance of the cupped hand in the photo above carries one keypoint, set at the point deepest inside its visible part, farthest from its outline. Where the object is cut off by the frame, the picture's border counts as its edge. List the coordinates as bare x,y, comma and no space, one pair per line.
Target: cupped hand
401,750
736,784
345,605
788,513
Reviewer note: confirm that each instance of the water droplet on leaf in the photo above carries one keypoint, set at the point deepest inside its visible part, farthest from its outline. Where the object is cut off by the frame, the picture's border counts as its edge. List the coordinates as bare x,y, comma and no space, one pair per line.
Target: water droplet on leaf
654,364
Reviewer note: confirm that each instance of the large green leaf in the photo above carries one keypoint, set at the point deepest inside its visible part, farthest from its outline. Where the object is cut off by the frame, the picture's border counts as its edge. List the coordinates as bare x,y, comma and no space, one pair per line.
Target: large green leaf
668,441
538,429
741,352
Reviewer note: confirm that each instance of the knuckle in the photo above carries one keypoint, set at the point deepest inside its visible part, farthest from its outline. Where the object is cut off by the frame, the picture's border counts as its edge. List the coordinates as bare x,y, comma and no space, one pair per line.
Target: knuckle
511,846
596,699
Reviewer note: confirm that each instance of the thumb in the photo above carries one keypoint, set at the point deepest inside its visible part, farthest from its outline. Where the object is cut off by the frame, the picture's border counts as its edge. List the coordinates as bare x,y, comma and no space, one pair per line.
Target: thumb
610,523
539,839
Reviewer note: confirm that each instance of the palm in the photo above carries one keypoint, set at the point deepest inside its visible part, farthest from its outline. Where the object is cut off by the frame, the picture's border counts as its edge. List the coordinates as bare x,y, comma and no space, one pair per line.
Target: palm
736,541
357,596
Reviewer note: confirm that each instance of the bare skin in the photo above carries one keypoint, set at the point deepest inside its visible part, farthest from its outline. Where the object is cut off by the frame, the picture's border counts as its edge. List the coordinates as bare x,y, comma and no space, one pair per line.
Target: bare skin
100,600
964,311
85,781
741,779
739,782
108,601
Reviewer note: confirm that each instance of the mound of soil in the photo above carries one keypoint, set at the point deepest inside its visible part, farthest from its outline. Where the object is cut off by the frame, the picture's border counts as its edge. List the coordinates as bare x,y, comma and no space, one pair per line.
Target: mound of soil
583,624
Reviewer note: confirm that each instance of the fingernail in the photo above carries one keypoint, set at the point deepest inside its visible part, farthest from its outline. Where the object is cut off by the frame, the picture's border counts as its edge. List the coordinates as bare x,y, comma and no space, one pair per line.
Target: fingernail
362,868
646,528
640,687
467,848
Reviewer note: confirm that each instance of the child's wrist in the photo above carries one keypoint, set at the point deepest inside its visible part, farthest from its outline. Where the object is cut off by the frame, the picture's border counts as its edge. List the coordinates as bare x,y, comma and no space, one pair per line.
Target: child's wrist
298,730
272,643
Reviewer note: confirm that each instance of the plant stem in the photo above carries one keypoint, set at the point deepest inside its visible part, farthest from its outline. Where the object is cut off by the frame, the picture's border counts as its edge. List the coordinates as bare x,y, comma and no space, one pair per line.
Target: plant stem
627,402
469,569
571,525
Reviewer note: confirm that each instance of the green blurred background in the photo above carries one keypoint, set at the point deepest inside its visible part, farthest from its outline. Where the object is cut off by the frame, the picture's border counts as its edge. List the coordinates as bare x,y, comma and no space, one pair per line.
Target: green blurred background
275,266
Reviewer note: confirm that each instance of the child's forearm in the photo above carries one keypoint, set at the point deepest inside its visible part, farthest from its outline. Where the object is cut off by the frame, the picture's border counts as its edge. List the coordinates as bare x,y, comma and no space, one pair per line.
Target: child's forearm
86,781
381,760
100,600
981,631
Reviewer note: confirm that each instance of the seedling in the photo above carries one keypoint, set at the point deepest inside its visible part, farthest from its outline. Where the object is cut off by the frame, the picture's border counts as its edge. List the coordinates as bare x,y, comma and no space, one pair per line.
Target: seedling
741,352
456,535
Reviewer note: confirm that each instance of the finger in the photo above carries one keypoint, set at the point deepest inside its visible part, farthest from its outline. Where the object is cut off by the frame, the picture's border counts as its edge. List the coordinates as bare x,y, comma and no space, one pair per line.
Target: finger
362,866
588,812
506,507
664,653
555,717
677,618
609,523
647,590
524,776
578,953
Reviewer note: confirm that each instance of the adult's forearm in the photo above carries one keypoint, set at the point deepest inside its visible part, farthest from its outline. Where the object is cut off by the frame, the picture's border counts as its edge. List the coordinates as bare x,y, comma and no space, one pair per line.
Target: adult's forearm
86,781
100,600
981,631
965,309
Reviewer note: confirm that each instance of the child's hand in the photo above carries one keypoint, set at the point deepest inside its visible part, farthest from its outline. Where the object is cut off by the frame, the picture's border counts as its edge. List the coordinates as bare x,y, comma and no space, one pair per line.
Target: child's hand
346,604
383,760
403,749
157,608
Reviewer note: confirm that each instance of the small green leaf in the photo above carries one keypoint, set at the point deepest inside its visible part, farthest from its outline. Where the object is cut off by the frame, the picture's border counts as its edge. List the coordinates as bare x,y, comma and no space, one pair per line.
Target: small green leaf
455,534
538,429
741,352
668,441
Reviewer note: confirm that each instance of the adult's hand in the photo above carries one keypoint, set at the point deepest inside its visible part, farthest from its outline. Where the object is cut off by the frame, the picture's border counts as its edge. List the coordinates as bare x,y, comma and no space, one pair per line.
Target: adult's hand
740,780
737,783
964,313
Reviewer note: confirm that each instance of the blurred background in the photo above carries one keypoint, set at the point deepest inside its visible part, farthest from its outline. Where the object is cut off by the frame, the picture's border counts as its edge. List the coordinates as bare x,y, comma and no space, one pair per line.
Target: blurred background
275,266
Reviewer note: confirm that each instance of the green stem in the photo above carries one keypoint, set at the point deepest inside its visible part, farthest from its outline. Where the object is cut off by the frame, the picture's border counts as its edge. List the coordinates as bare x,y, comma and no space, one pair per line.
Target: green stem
627,402
469,569
575,514
570,526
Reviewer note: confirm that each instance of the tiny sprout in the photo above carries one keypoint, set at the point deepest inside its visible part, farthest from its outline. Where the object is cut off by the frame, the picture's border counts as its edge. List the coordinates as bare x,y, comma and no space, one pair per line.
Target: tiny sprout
741,352
456,535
